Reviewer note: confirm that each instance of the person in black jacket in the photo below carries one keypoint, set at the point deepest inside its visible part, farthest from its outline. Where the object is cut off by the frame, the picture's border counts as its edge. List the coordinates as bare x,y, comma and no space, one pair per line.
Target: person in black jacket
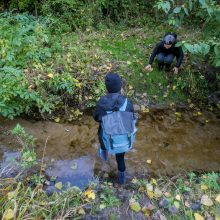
112,102
166,51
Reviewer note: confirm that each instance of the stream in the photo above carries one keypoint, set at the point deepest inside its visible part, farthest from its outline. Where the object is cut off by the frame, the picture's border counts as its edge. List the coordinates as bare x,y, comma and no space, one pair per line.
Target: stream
171,146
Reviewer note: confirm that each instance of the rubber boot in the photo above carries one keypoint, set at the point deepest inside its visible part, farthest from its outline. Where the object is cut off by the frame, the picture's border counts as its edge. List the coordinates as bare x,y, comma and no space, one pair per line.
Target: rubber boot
103,154
121,178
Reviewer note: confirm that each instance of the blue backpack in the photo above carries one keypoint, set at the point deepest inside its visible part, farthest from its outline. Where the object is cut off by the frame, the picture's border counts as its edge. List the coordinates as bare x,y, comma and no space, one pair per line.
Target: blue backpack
118,130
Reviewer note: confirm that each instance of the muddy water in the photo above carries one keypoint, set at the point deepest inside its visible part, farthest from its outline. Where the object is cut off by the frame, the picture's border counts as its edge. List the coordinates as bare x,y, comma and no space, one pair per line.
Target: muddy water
190,144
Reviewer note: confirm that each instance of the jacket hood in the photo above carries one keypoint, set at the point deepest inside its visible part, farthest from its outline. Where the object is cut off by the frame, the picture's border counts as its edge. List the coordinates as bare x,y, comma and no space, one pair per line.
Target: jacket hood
111,102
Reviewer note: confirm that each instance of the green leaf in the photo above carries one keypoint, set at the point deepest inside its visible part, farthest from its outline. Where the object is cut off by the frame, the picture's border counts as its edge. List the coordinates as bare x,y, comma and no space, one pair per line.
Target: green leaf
177,10
59,185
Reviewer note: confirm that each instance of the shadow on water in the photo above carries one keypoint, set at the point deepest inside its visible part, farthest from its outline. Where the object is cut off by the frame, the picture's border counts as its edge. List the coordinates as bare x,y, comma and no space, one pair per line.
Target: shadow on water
190,144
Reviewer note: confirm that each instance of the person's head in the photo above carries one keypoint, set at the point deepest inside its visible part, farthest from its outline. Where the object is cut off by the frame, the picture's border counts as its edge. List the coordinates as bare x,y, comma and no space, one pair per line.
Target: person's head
169,40
113,82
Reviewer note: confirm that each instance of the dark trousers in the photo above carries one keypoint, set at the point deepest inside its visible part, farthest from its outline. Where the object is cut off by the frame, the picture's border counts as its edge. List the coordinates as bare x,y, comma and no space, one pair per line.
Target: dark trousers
165,59
120,158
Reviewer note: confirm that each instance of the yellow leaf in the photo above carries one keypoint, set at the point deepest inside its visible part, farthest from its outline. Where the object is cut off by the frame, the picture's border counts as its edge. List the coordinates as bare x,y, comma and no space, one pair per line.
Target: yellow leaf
206,121
57,120
144,109
59,185
204,187
146,212
178,114
174,87
11,195
178,197
198,216
150,194
218,198
134,180
134,205
9,214
199,113
149,161
89,194
50,75
153,181
102,206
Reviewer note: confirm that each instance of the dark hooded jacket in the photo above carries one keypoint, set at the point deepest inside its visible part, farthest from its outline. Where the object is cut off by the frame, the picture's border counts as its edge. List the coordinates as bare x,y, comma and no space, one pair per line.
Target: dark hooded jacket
176,51
109,102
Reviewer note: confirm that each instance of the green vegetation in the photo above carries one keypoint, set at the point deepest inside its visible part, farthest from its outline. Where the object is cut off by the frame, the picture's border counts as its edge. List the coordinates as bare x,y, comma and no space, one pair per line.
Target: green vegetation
53,58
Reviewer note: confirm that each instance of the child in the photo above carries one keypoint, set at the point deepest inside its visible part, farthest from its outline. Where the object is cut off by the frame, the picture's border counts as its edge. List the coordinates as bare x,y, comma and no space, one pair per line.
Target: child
115,114
166,50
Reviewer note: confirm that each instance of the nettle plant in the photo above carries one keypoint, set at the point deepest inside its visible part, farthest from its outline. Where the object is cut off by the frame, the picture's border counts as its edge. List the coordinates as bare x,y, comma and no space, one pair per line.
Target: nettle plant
28,155
205,14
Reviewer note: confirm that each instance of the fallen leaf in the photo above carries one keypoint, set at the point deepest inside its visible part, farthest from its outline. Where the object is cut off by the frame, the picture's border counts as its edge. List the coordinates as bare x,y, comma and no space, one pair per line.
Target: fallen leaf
11,195
199,113
150,194
146,211
205,200
102,206
50,75
59,185
89,194
149,187
178,197
57,120
81,211
149,161
198,216
134,205
134,180
174,87
218,198
178,114
204,187
157,192
153,181
9,214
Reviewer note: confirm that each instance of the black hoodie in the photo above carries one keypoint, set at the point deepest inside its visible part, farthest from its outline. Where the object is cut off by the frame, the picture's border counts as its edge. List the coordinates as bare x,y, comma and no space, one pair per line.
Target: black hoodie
176,51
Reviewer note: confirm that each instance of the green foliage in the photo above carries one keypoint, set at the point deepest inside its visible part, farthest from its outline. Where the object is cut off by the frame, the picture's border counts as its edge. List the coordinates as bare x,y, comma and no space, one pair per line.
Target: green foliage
28,155
108,198
23,5
17,98
63,83
212,181
201,13
21,35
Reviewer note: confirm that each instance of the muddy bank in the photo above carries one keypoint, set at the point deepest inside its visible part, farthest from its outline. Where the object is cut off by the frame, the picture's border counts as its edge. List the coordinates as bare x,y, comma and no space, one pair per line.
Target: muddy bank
173,145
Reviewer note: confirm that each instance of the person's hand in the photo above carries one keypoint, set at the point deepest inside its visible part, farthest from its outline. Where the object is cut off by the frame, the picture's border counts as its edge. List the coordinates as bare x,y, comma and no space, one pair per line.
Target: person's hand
175,70
148,68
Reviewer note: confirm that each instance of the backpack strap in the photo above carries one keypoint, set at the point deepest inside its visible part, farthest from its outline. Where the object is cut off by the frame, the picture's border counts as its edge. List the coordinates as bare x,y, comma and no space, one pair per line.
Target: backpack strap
123,107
